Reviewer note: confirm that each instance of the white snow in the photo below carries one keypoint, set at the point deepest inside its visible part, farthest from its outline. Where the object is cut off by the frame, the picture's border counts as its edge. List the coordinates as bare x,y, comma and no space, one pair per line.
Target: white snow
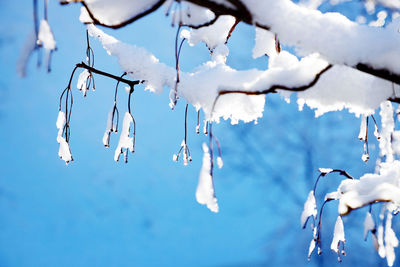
205,189
338,235
81,84
391,240
45,36
109,128
64,151
387,131
325,170
383,186
213,35
220,163
369,224
310,209
363,128
125,141
265,44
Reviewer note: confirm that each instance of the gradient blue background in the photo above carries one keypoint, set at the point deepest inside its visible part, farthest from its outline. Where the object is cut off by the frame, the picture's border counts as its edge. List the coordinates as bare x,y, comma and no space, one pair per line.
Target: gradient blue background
95,212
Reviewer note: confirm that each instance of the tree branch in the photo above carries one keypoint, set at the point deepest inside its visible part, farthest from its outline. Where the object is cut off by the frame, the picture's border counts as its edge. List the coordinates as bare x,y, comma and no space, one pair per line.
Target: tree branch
117,78
241,13
273,88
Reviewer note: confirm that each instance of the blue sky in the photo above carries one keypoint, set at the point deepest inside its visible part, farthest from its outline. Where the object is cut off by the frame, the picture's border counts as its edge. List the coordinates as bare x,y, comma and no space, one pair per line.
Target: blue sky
95,212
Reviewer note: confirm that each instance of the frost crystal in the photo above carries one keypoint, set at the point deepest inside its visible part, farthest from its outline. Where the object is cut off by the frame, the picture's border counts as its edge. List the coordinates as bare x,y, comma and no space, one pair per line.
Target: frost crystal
205,189
125,142
310,209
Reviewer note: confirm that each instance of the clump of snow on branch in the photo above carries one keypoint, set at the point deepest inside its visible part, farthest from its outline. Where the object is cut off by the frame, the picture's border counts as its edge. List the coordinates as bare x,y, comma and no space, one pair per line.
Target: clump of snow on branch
64,151
125,141
205,189
265,44
191,15
213,35
118,11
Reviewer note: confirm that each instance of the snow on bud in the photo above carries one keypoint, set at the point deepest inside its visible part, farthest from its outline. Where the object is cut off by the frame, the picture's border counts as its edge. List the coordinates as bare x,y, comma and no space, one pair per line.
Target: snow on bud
64,151
376,132
332,196
184,149
205,128
125,141
106,138
185,156
338,238
365,157
310,209
363,128
109,128
311,248
45,36
197,129
61,118
82,79
220,163
205,189
325,171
